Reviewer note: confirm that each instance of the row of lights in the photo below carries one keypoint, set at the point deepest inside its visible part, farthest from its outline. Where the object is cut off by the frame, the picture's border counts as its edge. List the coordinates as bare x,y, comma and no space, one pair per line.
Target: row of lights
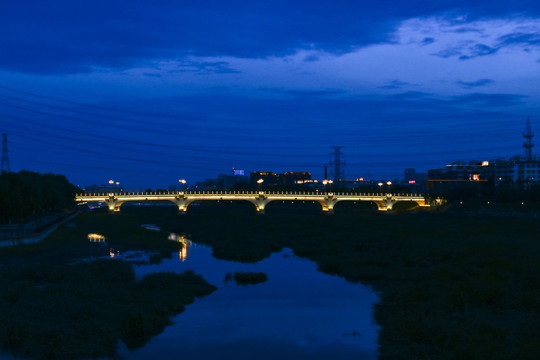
260,181
388,183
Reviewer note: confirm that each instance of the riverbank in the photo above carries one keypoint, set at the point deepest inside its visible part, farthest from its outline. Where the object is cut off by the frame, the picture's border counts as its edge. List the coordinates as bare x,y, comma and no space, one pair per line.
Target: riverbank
450,286
34,229
59,300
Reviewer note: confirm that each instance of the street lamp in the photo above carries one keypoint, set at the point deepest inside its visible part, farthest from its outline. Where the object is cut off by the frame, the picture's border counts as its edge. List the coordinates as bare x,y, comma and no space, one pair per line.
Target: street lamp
183,182
111,182
260,181
325,182
380,186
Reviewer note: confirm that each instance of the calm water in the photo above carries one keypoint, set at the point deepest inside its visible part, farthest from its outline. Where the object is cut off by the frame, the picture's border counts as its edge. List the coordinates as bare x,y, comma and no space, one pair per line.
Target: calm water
299,313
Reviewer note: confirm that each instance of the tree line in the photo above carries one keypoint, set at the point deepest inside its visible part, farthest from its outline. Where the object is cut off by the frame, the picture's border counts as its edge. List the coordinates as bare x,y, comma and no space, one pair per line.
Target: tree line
27,195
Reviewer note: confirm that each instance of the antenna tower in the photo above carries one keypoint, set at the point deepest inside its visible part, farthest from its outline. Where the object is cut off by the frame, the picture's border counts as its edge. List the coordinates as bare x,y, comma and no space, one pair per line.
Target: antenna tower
338,165
527,144
5,159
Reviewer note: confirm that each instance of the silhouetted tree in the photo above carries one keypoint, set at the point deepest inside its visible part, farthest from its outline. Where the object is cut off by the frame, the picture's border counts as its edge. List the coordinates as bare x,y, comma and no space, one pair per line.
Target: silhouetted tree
26,194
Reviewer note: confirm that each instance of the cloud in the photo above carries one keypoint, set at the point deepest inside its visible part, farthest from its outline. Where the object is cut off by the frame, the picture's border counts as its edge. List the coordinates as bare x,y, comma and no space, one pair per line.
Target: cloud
63,37
427,41
313,93
395,84
466,52
520,39
474,84
479,50
489,100
311,58
204,67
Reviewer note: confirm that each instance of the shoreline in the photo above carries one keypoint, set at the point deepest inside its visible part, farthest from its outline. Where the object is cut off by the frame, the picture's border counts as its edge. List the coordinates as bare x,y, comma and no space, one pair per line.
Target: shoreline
35,237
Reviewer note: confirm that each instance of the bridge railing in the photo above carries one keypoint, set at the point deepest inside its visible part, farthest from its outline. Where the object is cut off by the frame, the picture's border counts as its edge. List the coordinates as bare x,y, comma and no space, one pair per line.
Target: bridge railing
246,192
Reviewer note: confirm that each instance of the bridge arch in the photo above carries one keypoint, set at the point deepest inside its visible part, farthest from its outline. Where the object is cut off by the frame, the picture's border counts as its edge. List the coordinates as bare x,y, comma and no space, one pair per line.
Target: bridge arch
260,199
355,206
114,205
403,205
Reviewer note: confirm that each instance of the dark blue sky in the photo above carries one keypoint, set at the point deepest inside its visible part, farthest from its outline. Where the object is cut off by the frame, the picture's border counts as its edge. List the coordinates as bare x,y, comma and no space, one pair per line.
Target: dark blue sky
147,93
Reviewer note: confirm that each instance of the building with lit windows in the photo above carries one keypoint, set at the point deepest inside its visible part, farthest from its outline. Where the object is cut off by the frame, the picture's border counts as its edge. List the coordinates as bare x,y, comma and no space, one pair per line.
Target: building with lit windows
289,178
460,172
518,170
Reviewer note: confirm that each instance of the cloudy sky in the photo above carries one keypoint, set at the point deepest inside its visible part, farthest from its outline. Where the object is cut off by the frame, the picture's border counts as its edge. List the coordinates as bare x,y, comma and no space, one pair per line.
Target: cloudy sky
147,93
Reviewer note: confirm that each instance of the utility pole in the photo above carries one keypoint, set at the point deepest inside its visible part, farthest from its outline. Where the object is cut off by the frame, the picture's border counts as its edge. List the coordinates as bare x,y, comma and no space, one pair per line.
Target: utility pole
5,159
528,144
338,164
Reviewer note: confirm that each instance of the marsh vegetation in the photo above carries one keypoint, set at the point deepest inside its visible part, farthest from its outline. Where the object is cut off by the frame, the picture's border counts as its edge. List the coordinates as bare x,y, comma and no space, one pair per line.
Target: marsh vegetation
450,286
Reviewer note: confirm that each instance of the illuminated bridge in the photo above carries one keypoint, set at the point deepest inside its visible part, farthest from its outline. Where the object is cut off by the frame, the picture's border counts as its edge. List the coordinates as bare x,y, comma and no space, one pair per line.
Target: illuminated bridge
259,199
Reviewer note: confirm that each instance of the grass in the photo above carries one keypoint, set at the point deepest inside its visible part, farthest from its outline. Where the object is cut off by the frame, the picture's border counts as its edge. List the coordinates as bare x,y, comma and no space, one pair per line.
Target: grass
450,286
53,306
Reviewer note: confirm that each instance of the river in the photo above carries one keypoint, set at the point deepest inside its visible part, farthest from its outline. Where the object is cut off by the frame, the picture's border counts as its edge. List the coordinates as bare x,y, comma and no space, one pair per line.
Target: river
298,313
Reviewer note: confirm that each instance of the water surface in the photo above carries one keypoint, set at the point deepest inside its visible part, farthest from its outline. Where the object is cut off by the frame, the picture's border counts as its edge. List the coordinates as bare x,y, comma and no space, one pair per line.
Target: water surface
299,313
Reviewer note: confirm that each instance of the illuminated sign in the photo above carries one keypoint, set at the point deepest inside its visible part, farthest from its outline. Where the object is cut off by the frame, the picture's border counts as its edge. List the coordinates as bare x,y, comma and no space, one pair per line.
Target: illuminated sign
412,181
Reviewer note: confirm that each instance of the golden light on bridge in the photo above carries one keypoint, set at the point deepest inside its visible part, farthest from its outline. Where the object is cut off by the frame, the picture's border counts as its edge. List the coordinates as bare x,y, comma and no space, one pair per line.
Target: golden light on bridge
96,237
258,198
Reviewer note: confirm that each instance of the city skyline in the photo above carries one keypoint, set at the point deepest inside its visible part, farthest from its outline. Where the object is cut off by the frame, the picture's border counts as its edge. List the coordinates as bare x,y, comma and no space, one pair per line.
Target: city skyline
149,95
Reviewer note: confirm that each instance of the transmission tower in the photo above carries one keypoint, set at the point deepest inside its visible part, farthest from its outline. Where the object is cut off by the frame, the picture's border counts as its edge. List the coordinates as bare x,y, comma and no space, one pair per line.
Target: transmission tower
528,144
338,164
5,159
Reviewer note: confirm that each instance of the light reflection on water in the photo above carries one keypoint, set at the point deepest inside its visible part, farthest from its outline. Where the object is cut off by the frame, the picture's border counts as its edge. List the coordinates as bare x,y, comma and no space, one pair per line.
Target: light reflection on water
299,313
185,242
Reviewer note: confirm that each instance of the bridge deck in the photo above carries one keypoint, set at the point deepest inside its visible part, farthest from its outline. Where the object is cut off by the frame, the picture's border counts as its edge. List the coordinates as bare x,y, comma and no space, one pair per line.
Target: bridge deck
259,198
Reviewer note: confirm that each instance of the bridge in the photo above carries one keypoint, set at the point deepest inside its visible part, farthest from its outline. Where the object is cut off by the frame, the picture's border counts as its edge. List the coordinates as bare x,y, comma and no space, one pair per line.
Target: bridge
259,199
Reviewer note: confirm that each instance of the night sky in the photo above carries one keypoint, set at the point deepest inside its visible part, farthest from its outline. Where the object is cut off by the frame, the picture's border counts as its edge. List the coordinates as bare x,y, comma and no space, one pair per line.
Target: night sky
147,93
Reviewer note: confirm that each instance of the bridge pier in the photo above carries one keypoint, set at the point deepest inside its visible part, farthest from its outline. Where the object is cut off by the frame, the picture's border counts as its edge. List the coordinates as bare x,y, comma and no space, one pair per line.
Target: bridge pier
328,204
182,203
260,203
113,204
386,204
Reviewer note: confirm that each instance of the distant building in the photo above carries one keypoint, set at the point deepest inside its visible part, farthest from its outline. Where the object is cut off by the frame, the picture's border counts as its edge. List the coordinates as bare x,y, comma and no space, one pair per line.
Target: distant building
518,170
223,181
460,172
289,178
208,184
231,181
268,178
296,177
413,180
